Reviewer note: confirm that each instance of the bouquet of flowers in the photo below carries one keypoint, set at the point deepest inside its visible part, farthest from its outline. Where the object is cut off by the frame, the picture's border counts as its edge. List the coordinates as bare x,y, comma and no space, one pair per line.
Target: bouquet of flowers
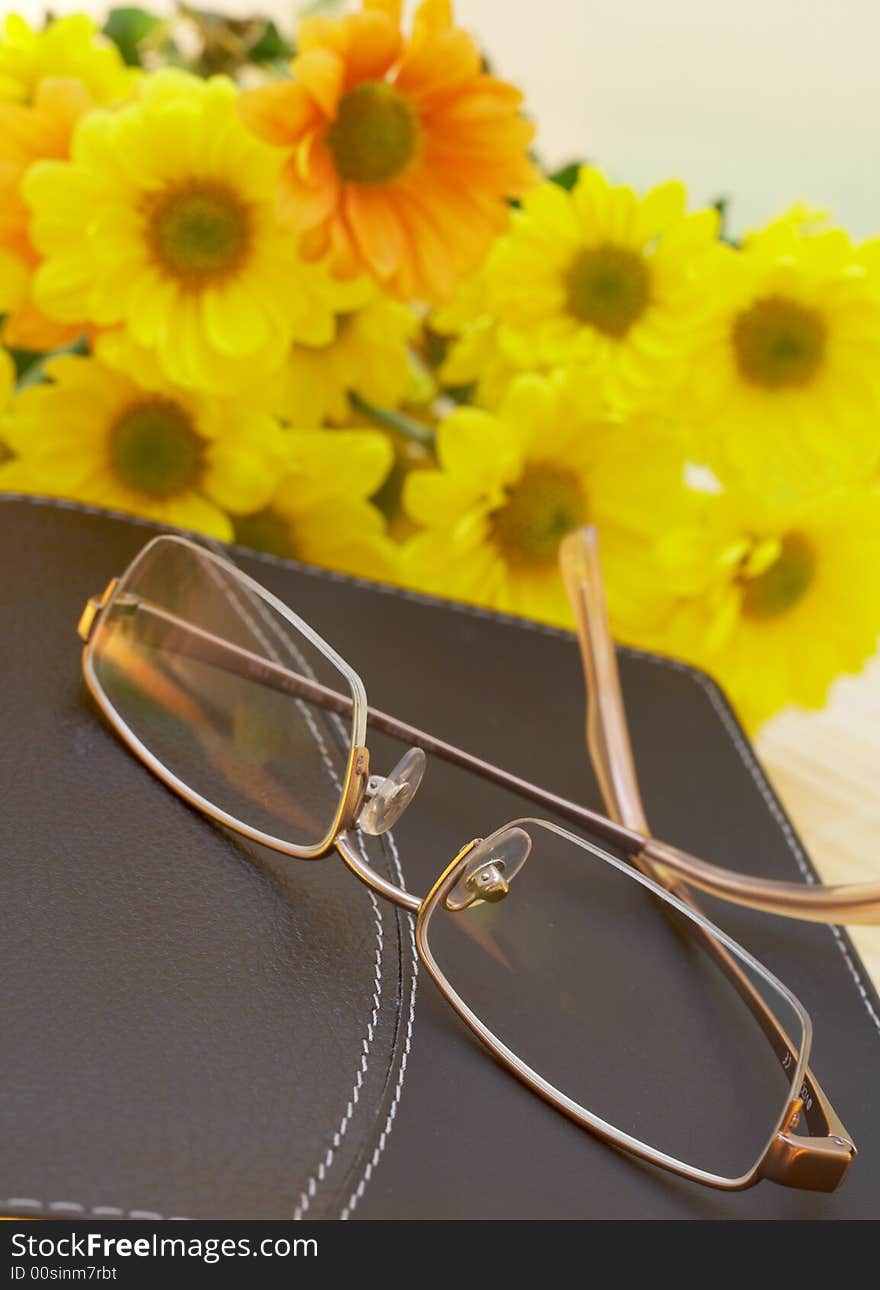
320,299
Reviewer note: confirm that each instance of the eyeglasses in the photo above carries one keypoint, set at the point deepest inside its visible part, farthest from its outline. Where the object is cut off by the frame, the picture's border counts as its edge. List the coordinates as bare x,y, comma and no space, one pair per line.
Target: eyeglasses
611,754
241,708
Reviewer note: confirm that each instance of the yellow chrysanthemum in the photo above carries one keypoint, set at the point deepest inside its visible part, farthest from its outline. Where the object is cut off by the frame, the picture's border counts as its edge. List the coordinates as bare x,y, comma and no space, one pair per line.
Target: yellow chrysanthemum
510,486
368,354
48,80
775,601
70,47
785,379
95,435
604,280
473,360
163,224
319,512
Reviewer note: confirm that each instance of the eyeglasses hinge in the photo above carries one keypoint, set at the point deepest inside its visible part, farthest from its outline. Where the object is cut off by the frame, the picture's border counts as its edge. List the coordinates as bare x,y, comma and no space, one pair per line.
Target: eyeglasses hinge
93,607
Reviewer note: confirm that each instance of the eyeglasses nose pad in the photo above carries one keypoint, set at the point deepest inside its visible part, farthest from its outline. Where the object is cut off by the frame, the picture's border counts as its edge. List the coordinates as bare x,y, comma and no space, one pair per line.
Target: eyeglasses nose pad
490,868
388,798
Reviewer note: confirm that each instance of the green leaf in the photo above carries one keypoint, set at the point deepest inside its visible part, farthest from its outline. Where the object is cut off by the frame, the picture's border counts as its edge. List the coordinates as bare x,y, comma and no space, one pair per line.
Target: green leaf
30,363
127,27
722,206
270,46
566,176
26,360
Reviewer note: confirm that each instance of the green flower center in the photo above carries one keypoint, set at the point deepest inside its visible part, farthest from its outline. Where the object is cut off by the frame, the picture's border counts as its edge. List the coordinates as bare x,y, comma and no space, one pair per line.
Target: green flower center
608,287
779,343
784,584
154,449
265,531
375,135
199,233
547,503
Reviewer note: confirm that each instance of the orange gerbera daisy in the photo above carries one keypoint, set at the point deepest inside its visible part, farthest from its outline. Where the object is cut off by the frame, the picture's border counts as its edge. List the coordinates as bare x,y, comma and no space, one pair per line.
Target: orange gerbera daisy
403,151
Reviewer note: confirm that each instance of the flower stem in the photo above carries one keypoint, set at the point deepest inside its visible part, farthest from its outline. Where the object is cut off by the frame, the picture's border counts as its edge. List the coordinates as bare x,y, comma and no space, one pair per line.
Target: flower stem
34,368
396,421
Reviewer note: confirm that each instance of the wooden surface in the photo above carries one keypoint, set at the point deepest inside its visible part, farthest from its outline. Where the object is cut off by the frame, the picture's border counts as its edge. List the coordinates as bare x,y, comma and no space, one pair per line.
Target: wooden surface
826,768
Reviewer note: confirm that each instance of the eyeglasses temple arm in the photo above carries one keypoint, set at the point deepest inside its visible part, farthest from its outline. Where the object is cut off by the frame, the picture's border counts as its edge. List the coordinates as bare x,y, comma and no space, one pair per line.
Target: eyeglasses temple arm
198,643
611,754
853,903
606,726
608,740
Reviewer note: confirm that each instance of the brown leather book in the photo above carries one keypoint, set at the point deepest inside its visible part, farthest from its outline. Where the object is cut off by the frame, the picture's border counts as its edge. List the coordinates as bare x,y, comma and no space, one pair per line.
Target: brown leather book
196,1027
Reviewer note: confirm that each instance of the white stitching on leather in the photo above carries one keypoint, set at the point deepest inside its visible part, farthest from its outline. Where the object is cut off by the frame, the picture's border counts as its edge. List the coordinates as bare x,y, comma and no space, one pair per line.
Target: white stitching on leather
287,643
404,1059
310,1188
72,1207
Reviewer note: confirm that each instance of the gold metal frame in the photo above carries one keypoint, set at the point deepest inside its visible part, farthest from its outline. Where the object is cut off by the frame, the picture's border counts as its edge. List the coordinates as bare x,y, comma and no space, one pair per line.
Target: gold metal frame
817,1162
611,754
767,1161
357,771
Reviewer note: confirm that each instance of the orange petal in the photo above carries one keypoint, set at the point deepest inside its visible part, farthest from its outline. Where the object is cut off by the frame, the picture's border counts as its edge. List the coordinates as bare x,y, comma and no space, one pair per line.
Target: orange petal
407,282
503,176
43,129
316,32
343,253
278,112
27,328
374,227
315,242
322,73
63,96
375,44
300,204
484,99
438,66
428,236
331,241
14,213
300,158
391,8
314,161
432,16
496,144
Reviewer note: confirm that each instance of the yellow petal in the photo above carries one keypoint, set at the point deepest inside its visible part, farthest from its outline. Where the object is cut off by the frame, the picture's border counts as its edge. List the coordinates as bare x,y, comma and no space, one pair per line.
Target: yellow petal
234,321
473,446
353,463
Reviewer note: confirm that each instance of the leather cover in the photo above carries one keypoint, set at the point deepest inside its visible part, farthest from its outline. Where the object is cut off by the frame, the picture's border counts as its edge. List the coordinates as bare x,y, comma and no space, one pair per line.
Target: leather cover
195,1027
